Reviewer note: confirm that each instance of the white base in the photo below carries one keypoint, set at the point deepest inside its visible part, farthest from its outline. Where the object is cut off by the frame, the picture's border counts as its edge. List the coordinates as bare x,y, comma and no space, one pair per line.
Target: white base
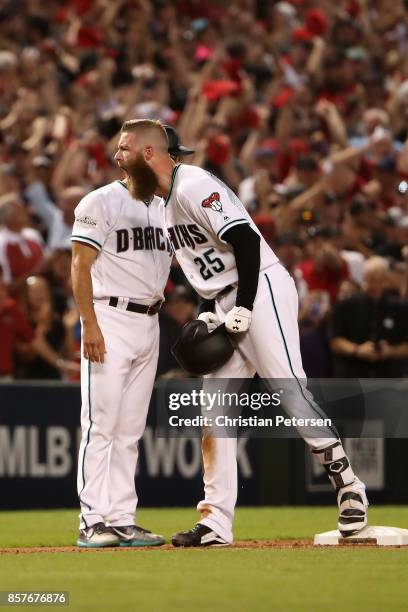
380,536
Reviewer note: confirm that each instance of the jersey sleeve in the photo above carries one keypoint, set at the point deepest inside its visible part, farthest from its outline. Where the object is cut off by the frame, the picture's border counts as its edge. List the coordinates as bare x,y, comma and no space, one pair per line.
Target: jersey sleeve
215,203
90,225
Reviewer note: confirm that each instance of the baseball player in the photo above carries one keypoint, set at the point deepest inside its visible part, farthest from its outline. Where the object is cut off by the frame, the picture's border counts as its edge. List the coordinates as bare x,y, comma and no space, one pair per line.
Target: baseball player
231,266
121,261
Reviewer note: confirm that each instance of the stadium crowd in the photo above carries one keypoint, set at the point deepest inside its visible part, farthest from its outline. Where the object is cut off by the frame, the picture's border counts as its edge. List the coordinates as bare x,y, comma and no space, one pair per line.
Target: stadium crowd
300,106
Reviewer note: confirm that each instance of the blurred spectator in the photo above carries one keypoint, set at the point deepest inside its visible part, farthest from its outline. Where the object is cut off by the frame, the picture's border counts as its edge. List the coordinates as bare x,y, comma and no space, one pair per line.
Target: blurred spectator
58,274
57,218
299,106
324,269
54,331
21,249
370,329
14,328
314,347
394,238
358,227
305,172
18,337
254,191
288,247
180,308
348,289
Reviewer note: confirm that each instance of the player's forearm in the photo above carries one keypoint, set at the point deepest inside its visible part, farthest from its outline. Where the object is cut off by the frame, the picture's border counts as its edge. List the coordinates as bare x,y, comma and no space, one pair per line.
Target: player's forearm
246,245
83,291
205,306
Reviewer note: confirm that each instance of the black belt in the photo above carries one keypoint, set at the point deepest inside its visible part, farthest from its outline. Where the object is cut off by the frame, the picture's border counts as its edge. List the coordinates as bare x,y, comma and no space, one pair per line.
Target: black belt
141,308
225,291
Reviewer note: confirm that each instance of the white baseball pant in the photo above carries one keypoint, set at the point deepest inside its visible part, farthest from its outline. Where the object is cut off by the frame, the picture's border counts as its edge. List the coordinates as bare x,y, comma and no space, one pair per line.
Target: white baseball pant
271,348
115,402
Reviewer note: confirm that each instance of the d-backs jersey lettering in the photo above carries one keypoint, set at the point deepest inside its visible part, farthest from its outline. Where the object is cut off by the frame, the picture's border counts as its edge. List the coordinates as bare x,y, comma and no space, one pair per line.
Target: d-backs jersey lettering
134,254
199,209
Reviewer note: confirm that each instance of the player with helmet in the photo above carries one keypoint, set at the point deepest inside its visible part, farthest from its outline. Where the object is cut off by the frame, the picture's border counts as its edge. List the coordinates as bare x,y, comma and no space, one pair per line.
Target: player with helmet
243,285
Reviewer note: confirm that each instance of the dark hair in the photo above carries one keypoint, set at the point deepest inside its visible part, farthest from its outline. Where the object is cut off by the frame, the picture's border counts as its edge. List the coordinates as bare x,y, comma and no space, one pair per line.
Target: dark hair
307,162
322,231
357,206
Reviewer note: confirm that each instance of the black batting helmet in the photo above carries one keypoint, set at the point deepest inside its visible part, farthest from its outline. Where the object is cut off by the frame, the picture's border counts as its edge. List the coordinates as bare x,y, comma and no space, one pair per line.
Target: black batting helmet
175,146
199,351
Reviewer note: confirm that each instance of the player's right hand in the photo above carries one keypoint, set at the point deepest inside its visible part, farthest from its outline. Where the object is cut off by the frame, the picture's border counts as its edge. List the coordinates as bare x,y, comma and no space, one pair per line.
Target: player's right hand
210,319
93,342
238,320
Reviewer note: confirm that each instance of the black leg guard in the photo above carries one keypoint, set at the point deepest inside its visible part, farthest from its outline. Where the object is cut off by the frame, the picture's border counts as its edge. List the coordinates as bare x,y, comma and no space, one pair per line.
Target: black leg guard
335,462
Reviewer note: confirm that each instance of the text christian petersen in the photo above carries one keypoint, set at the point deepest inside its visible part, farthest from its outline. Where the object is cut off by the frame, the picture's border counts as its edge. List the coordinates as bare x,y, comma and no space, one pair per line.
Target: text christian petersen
219,400
223,420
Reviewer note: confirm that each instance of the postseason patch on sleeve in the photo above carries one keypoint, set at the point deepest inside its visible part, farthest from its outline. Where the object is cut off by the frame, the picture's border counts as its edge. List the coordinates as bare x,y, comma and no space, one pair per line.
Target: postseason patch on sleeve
86,220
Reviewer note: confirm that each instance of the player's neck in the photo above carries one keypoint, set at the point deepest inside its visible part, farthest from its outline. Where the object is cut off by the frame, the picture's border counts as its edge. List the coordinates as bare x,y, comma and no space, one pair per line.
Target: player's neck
165,179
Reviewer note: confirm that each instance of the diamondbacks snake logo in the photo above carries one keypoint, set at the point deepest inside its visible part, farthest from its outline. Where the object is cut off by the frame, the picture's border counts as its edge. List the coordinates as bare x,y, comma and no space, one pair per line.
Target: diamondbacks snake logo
213,202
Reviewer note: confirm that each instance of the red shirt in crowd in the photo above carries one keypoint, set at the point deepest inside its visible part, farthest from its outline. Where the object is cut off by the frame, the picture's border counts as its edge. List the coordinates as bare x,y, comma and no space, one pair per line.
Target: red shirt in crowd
20,253
14,327
325,279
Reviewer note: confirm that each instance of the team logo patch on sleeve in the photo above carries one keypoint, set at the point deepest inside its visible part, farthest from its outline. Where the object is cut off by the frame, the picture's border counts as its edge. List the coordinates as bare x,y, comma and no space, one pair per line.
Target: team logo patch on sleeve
213,202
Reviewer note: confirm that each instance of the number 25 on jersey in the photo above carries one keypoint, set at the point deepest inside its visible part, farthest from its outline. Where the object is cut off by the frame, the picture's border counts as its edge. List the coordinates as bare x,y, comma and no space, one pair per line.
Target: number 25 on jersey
209,265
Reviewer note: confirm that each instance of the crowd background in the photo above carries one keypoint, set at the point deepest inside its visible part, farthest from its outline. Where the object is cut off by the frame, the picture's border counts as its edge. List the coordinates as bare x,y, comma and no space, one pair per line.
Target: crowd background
300,106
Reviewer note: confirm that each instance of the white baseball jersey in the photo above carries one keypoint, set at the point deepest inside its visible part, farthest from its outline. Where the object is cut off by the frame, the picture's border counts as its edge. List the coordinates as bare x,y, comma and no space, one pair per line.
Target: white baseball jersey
196,214
199,209
135,256
134,263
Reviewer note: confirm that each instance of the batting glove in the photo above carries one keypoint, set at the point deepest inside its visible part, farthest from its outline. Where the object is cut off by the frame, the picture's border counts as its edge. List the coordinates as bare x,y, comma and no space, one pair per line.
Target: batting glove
210,319
238,320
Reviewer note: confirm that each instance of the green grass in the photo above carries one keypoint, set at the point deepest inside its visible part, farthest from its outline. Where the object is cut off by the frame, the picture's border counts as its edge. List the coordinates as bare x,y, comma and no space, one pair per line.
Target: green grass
217,579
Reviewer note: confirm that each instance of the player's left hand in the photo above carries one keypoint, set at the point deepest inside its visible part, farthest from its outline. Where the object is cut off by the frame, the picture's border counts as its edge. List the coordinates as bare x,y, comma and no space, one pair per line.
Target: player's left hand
238,320
210,319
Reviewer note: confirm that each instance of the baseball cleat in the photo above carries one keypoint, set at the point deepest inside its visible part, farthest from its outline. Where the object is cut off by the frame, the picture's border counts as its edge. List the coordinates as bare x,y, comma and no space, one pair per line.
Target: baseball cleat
199,535
131,535
97,536
353,503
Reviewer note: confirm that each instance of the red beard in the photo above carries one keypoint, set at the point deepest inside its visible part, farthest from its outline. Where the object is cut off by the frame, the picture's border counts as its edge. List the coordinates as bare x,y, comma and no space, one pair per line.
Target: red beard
143,182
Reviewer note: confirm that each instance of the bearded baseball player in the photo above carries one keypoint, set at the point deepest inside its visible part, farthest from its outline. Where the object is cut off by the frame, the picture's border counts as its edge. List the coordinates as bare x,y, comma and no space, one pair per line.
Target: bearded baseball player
231,266
121,261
